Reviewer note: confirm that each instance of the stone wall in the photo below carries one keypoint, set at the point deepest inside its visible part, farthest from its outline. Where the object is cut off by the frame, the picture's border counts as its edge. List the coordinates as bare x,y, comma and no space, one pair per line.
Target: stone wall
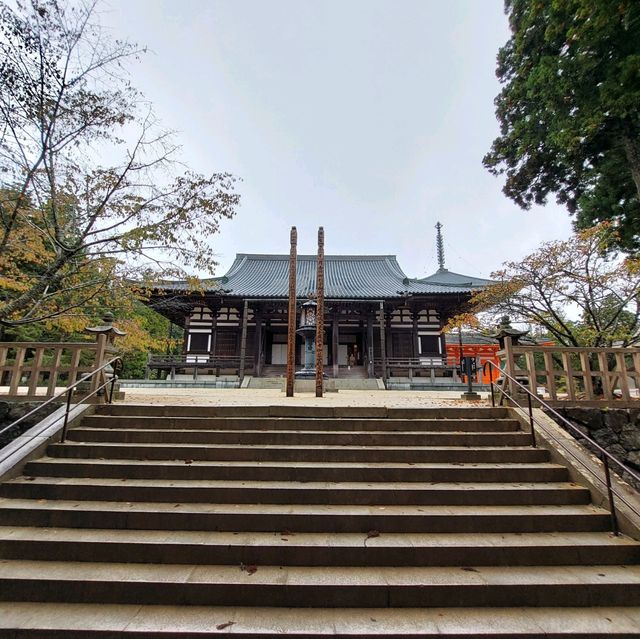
10,411
617,430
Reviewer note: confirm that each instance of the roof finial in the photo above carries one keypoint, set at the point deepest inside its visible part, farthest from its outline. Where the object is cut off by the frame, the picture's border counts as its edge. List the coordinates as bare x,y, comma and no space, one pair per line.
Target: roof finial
440,247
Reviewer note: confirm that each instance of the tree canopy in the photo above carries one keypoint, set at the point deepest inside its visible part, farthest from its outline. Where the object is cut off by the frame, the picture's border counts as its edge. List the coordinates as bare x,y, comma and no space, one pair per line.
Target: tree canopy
577,290
569,110
92,194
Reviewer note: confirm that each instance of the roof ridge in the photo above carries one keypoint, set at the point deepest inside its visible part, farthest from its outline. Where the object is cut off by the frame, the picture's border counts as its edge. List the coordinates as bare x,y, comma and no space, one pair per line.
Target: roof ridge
309,256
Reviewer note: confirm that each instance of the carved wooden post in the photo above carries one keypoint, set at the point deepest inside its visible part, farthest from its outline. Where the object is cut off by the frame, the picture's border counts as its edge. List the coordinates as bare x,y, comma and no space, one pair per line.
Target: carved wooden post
320,314
291,333
243,341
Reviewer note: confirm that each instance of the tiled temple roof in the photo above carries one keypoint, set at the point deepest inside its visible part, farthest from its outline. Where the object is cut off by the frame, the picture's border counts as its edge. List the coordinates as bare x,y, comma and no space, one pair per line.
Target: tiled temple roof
346,277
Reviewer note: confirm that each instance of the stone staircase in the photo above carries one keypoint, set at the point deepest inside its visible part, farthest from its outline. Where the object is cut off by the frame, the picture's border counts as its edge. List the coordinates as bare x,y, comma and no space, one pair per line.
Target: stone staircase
155,521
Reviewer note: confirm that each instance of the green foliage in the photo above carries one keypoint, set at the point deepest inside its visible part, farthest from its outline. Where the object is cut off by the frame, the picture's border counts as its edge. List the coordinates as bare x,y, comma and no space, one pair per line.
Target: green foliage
147,332
578,291
569,110
73,231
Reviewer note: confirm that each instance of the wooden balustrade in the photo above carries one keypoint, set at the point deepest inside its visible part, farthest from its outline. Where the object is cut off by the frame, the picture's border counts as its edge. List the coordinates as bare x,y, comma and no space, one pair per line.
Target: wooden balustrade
595,375
33,370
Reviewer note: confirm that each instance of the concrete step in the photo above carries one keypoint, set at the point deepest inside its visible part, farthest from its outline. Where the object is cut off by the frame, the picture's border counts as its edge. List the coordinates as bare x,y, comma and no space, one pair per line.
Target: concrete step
286,548
187,521
302,412
20,620
302,517
365,454
296,471
293,437
305,586
274,492
298,424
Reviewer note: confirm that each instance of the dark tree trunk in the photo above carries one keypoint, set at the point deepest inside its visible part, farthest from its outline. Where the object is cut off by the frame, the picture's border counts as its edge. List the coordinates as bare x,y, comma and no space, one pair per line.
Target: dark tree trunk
632,150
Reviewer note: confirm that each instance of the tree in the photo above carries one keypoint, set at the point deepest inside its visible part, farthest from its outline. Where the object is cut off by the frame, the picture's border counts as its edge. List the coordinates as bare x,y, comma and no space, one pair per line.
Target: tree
85,227
569,110
577,290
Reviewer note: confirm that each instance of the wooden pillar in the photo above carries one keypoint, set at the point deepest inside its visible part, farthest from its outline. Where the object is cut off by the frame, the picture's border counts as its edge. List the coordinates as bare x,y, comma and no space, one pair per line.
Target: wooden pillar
243,340
334,345
291,332
414,334
185,341
320,314
370,368
383,343
214,334
387,323
258,342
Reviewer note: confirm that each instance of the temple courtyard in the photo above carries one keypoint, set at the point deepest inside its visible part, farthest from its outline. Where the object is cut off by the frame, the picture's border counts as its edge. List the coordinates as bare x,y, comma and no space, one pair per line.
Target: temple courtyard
274,397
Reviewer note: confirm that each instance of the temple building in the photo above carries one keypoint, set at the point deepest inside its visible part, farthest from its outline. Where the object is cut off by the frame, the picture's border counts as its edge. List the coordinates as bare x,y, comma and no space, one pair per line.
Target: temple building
378,322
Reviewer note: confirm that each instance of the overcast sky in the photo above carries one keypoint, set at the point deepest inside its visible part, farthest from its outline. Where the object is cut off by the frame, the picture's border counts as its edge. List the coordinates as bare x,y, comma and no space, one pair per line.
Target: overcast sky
369,117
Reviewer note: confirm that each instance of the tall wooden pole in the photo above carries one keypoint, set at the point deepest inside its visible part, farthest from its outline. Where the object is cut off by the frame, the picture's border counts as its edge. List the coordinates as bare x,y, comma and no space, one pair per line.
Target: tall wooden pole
320,314
243,340
291,333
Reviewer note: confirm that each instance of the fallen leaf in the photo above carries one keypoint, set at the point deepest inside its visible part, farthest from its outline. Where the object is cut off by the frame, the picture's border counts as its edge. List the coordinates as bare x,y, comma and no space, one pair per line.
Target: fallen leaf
222,626
249,569
188,461
470,569
370,535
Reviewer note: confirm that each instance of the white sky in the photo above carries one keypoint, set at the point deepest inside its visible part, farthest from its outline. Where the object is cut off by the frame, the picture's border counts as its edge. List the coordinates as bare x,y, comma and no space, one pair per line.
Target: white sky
369,117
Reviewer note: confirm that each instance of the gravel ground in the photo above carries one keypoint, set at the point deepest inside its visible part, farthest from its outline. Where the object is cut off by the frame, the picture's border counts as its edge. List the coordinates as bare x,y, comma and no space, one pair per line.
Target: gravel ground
254,397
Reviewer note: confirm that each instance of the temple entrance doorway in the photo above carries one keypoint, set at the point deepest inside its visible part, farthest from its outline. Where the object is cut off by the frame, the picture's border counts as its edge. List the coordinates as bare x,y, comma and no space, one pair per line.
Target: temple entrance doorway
350,349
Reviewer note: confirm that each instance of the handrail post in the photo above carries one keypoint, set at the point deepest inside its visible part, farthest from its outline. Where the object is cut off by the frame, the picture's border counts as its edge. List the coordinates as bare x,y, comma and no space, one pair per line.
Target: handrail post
63,437
112,388
531,425
612,508
493,397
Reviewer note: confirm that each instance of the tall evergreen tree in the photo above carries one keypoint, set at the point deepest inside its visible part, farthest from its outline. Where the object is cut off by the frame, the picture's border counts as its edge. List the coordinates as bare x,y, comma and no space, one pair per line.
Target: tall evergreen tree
569,110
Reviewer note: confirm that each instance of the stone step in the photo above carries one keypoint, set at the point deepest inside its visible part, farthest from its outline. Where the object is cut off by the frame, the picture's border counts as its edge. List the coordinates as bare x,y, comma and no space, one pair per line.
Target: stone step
305,586
286,548
295,423
302,517
365,454
272,492
22,620
302,412
296,471
292,437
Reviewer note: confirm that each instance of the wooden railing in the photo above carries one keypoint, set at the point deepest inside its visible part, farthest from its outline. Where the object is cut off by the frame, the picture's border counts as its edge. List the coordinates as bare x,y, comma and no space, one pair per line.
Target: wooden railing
194,363
412,365
574,374
33,370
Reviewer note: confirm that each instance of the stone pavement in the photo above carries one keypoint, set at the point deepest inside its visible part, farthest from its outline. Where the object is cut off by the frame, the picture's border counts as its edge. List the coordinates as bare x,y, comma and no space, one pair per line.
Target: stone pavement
273,397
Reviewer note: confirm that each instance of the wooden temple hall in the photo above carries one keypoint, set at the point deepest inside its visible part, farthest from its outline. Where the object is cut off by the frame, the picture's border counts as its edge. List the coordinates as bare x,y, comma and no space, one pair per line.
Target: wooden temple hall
378,322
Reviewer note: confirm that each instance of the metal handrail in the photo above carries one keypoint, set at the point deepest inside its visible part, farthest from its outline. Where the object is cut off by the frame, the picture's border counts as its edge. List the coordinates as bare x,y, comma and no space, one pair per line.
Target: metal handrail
68,393
605,456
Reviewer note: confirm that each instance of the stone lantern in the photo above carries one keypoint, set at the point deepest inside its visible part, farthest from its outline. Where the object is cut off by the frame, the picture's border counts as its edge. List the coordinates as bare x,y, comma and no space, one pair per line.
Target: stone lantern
504,329
110,332
307,329
107,328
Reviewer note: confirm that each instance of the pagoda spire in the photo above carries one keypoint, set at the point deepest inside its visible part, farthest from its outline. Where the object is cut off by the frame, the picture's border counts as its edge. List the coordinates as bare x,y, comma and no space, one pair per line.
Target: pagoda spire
440,247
